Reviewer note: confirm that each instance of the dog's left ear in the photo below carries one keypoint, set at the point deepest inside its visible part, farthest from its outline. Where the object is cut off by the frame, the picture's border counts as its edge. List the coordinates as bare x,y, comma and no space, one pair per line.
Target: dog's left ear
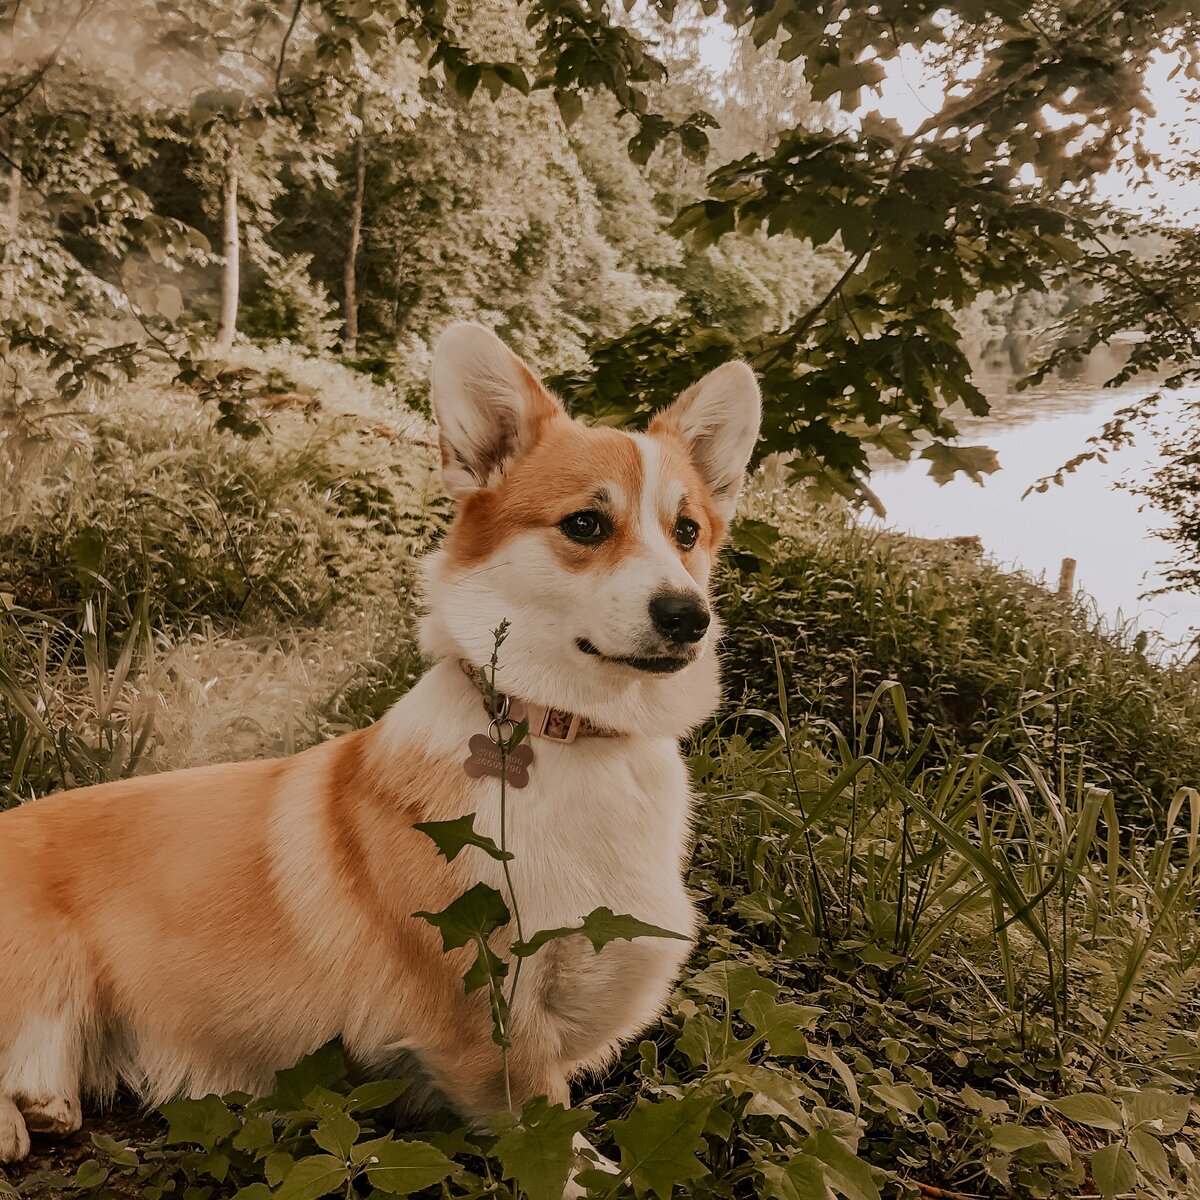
718,420
490,407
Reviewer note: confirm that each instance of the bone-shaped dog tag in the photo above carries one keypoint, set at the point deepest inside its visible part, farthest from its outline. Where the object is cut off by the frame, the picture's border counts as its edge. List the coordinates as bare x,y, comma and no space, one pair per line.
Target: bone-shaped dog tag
484,759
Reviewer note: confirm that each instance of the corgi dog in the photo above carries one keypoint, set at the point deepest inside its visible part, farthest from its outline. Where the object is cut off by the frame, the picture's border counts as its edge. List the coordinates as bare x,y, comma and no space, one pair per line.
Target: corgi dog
194,932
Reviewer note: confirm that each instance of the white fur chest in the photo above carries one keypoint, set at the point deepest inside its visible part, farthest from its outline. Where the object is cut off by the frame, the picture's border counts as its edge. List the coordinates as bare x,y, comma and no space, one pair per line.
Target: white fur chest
603,822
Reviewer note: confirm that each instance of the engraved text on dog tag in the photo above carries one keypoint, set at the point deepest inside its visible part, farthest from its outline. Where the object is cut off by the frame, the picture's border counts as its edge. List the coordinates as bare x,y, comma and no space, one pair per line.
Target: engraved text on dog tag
484,759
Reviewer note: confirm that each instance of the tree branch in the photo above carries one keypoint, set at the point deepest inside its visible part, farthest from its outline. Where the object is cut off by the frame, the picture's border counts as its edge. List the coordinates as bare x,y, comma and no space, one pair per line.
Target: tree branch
287,37
51,60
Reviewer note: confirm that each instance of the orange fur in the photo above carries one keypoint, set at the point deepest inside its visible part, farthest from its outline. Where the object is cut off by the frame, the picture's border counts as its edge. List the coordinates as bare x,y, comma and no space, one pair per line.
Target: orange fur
103,878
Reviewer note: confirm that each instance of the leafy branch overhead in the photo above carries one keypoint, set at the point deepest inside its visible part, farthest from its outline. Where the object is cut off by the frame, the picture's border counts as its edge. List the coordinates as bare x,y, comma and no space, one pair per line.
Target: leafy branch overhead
982,199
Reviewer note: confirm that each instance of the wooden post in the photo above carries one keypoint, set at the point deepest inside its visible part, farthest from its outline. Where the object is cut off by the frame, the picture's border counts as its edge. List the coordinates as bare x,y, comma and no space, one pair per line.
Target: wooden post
1066,579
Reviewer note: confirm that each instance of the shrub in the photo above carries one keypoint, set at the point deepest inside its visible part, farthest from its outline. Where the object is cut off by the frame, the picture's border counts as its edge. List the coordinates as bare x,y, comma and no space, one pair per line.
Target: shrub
288,305
986,657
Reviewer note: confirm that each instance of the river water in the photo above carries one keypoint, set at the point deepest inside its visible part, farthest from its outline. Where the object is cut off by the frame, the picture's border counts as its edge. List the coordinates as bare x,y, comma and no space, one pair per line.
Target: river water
1106,530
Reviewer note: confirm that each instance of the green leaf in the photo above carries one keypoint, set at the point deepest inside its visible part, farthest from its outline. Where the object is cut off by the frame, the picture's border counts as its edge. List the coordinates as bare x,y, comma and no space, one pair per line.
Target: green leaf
1161,1112
1017,1139
570,106
600,927
1149,1155
781,1025
206,1121
401,1168
255,1136
756,538
313,1177
806,1174
1114,1170
337,1134
802,1179
845,1173
368,1097
732,982
1097,1111
452,837
120,1152
659,1140
946,461
538,1152
276,1166
90,1175
900,1096
324,1067
253,1191
477,913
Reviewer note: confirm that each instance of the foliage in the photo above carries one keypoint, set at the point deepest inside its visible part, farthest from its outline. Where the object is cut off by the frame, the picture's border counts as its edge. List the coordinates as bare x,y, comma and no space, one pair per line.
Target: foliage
988,658
832,252
1147,283
907,975
154,567
289,306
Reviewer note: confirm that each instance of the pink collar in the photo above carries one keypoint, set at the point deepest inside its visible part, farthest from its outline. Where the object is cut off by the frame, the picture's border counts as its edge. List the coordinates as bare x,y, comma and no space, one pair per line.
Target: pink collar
552,724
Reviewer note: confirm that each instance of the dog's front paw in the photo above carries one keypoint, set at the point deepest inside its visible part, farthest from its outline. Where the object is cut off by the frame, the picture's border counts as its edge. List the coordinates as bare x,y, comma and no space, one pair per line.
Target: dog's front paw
59,1115
14,1137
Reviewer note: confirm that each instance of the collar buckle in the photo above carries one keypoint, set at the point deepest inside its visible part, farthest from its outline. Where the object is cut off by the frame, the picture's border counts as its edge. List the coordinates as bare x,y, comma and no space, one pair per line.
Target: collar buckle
558,726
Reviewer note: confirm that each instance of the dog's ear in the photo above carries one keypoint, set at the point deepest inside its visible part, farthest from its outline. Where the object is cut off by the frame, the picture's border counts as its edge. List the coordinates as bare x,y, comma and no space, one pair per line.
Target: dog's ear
718,420
490,407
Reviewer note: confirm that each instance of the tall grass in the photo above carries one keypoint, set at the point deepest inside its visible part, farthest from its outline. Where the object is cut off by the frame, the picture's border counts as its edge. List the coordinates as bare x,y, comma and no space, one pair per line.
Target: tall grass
985,656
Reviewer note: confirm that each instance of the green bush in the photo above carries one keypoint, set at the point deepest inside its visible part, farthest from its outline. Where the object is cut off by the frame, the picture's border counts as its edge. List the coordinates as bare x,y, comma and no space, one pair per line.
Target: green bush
985,656
208,524
288,305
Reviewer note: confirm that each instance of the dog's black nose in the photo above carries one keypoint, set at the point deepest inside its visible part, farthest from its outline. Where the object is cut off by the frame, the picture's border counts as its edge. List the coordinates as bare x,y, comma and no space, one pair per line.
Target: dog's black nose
680,617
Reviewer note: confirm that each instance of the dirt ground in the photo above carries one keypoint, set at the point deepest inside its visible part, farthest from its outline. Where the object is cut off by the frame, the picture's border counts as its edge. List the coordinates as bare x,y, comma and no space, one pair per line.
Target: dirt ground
123,1120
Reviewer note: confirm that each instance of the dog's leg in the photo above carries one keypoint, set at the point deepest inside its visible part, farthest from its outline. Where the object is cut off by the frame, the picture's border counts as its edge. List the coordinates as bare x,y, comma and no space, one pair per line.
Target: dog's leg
14,1137
41,1072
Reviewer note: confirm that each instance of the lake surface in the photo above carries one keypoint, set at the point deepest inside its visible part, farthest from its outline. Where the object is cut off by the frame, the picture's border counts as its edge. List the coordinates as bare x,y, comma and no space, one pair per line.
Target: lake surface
1105,529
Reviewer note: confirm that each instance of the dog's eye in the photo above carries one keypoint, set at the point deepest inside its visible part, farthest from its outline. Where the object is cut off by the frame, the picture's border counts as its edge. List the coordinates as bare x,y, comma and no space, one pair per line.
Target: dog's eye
686,532
587,527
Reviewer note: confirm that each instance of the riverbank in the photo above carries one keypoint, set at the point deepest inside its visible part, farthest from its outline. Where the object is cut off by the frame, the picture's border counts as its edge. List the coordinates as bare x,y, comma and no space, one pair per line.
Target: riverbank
1096,518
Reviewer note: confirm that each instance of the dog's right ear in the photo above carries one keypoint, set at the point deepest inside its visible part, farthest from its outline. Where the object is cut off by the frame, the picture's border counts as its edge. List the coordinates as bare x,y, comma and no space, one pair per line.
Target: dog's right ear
490,407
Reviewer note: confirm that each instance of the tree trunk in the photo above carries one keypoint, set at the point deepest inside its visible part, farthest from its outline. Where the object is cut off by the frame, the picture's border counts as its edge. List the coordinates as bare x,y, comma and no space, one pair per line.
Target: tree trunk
227,322
12,226
350,275
14,200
